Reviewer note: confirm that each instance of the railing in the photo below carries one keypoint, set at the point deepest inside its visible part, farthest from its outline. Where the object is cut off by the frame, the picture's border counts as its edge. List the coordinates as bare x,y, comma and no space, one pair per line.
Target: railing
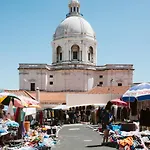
30,66
76,65
115,66
73,14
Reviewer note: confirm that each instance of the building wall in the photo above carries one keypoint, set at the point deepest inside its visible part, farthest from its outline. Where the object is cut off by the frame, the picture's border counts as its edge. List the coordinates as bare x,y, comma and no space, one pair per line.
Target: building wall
73,79
37,76
89,99
114,77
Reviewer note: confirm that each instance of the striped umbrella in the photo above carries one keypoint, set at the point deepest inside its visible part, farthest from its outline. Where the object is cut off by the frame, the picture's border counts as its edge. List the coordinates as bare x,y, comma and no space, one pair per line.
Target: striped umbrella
140,92
5,98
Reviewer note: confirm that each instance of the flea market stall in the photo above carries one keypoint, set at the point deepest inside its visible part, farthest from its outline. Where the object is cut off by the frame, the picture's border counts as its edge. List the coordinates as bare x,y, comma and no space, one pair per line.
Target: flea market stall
133,133
15,131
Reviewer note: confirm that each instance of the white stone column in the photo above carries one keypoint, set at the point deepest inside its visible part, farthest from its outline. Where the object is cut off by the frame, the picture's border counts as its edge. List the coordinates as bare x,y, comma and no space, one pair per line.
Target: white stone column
83,52
70,52
67,50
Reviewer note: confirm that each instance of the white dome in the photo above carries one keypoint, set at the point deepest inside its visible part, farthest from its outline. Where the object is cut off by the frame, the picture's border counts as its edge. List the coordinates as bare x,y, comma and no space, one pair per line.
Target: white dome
74,26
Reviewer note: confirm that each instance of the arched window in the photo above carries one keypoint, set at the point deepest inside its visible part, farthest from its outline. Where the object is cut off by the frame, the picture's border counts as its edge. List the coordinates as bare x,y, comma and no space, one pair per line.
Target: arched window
90,54
75,52
59,54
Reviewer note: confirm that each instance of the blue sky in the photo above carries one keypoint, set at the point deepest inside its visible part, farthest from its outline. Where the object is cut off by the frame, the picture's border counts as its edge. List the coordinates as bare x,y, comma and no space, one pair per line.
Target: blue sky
26,28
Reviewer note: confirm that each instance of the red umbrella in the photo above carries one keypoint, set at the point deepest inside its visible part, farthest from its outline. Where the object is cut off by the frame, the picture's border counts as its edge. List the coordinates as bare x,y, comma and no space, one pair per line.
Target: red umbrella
119,102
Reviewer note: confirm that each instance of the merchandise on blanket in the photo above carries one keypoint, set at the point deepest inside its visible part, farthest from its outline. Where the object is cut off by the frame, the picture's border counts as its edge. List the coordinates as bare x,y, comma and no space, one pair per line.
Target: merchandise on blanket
3,127
116,128
133,143
146,139
12,124
126,141
39,139
3,130
131,133
44,129
28,148
146,132
137,142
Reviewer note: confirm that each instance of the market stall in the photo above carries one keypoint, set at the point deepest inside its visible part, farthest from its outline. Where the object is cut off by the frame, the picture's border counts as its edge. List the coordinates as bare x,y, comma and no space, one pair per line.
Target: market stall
127,133
15,132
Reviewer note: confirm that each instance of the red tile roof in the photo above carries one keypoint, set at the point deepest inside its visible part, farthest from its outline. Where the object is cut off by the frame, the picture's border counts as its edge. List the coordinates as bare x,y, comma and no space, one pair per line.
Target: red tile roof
19,93
109,90
52,97
60,97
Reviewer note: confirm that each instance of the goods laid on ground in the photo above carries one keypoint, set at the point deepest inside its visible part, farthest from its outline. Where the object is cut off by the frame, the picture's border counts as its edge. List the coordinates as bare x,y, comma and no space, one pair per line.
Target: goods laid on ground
126,136
34,139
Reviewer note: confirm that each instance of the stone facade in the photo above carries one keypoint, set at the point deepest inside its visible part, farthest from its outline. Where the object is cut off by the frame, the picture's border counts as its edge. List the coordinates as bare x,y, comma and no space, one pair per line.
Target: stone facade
73,78
74,59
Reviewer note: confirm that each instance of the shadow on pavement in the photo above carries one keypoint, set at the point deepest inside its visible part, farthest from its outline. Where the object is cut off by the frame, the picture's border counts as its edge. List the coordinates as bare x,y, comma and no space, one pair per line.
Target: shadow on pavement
90,146
109,144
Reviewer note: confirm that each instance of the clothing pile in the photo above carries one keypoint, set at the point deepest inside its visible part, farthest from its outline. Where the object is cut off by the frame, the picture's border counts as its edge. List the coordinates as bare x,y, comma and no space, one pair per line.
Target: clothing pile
126,140
39,139
7,126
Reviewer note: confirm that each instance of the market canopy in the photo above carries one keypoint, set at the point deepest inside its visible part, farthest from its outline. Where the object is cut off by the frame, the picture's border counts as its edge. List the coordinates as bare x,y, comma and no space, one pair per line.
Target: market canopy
138,92
28,111
61,107
18,101
29,102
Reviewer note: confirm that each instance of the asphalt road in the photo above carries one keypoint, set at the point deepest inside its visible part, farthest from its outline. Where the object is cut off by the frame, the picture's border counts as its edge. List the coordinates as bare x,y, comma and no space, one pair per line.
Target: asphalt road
79,137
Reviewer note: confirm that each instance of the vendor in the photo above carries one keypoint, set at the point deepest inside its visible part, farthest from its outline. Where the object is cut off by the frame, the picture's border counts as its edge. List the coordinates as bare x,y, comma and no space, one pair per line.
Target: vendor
107,119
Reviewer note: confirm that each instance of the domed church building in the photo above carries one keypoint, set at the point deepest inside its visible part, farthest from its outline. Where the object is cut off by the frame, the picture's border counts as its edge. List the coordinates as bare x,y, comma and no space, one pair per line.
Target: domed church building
74,61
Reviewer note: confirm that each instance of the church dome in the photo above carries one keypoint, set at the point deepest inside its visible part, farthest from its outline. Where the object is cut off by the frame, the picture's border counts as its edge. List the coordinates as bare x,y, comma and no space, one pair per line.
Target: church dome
74,26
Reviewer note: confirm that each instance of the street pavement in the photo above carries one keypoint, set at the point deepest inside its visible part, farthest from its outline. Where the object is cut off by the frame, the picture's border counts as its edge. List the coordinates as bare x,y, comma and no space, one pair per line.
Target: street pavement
79,137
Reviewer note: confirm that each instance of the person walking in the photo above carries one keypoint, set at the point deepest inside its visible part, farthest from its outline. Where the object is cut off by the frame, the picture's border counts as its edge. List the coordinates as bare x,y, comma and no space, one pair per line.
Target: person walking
107,119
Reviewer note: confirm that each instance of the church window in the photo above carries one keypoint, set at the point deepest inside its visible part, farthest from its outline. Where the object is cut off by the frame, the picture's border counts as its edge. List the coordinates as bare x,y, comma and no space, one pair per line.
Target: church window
74,9
89,56
100,83
75,55
71,9
77,9
32,86
101,76
75,52
51,76
51,83
59,54
119,84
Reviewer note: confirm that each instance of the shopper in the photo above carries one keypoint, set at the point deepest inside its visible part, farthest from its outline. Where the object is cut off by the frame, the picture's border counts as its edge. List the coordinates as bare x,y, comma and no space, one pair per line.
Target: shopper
107,119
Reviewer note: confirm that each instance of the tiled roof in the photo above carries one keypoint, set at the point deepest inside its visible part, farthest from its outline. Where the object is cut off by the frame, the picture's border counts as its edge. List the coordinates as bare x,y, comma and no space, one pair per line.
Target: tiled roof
52,97
19,93
45,97
109,90
60,97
